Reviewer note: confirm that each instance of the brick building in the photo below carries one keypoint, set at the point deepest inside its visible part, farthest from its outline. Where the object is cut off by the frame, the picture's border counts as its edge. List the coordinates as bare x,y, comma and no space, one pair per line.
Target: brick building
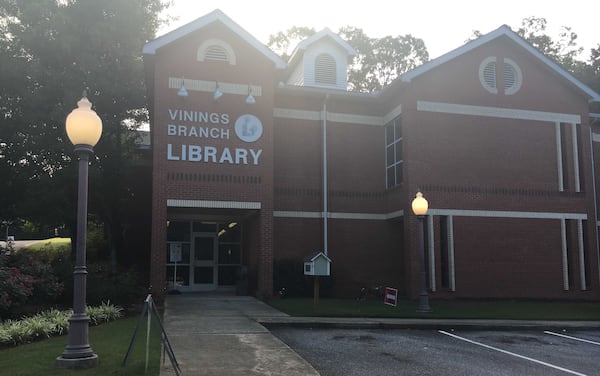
258,162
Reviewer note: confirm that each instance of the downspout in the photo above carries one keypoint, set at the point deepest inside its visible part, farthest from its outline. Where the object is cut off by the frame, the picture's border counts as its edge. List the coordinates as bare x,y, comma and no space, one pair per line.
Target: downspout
325,189
595,198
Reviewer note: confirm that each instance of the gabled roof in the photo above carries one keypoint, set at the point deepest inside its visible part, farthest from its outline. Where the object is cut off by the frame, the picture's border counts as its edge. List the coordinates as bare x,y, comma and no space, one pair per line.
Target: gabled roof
315,256
503,30
325,33
215,16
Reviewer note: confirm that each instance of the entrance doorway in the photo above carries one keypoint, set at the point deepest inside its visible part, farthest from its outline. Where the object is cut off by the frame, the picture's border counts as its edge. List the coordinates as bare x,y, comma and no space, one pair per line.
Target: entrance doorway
204,269
203,256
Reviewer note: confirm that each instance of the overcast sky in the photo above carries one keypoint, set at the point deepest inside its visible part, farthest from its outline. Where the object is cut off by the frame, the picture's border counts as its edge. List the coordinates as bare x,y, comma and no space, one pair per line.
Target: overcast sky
443,25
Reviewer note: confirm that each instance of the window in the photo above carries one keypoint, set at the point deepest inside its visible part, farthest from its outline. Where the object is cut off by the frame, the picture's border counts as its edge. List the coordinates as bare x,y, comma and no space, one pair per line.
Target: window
393,152
325,70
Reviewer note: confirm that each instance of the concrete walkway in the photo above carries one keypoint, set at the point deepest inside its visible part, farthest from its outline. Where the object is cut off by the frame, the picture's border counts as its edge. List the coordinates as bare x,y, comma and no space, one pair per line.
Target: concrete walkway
220,335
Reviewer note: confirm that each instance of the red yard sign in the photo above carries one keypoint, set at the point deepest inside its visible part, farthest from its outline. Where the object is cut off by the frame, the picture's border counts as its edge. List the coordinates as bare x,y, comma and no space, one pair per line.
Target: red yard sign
391,296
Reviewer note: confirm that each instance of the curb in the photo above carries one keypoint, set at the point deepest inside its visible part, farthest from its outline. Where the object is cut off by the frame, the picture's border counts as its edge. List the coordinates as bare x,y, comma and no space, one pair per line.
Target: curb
422,324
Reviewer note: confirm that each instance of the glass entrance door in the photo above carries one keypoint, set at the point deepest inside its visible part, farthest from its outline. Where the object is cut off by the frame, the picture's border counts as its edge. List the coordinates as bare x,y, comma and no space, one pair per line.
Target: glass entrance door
204,266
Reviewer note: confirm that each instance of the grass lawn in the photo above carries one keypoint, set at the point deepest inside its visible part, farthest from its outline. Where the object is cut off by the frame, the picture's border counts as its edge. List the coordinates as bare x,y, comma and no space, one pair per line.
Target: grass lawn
110,341
447,309
51,245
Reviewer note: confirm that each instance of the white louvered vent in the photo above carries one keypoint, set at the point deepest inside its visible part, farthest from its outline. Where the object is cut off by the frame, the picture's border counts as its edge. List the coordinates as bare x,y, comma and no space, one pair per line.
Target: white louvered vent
325,70
487,74
216,50
216,53
512,77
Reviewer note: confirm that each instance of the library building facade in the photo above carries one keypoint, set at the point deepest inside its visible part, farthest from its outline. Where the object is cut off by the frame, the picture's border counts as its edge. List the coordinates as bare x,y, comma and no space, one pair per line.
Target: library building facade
258,164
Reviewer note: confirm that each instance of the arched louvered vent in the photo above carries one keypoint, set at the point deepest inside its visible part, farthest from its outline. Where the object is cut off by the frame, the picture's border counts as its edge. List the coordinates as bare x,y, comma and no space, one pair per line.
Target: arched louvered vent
487,75
512,77
325,70
215,53
216,50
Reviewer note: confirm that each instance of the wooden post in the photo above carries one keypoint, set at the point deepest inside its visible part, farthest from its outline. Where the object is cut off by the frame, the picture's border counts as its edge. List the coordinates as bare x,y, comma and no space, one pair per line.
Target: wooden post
316,291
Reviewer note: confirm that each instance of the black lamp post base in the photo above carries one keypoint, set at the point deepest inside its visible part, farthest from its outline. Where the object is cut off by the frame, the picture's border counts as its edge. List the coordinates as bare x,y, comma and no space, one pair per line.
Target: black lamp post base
77,363
424,304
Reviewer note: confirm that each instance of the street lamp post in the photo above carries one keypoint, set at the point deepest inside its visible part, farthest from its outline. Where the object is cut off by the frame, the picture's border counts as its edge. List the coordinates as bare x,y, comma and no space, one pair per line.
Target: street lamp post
419,207
84,129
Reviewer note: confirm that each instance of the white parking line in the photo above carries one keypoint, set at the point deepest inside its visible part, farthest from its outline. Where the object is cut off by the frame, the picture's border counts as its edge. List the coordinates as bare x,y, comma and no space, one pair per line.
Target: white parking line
511,353
573,338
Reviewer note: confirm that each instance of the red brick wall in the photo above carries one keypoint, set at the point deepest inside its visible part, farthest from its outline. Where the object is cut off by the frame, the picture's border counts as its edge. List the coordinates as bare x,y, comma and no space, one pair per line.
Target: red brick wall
468,162
213,181
363,253
460,162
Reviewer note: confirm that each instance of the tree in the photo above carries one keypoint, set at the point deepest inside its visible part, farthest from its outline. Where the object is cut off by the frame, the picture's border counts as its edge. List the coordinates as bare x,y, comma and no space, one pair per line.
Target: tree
50,51
378,62
564,50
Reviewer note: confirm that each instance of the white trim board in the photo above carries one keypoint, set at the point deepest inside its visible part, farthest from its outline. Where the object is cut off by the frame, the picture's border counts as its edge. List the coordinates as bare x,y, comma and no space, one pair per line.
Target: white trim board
332,215
211,86
444,212
208,204
505,113
506,214
290,113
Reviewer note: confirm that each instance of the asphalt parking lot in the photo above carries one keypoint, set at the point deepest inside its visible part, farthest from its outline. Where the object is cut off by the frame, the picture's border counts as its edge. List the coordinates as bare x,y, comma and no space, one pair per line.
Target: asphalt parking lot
349,352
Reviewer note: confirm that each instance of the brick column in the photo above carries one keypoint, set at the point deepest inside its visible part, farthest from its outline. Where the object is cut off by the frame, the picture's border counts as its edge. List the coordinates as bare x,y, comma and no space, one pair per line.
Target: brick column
265,254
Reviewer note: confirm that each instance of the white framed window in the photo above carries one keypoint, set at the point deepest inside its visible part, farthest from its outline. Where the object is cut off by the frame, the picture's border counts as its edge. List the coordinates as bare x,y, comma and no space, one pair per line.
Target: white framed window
394,161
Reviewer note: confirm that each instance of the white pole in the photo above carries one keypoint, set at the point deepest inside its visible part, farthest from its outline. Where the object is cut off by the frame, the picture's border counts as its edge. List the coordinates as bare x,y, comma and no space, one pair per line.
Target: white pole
175,276
150,310
325,209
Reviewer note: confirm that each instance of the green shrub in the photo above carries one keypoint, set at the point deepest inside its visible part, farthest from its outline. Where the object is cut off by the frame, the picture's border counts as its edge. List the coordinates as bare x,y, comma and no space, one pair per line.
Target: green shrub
39,326
52,323
60,320
17,332
105,312
122,288
26,279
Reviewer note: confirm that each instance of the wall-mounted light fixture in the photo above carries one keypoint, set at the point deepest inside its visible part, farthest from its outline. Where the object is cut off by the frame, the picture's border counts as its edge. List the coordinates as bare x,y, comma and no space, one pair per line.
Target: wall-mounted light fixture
182,90
218,93
250,98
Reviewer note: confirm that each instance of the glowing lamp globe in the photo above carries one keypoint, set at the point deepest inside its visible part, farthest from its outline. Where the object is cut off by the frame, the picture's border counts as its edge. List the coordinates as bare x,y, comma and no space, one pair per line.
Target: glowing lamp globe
83,125
420,204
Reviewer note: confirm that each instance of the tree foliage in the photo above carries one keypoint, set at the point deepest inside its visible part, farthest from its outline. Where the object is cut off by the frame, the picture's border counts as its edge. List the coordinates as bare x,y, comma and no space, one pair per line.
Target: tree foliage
563,50
50,51
378,62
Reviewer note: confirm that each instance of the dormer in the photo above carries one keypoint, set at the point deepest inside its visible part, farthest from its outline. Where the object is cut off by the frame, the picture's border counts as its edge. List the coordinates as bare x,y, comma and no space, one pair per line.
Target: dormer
321,61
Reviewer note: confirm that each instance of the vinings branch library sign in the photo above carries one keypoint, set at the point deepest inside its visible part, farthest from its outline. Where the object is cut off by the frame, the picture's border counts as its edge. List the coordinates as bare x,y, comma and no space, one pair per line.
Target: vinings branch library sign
213,129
